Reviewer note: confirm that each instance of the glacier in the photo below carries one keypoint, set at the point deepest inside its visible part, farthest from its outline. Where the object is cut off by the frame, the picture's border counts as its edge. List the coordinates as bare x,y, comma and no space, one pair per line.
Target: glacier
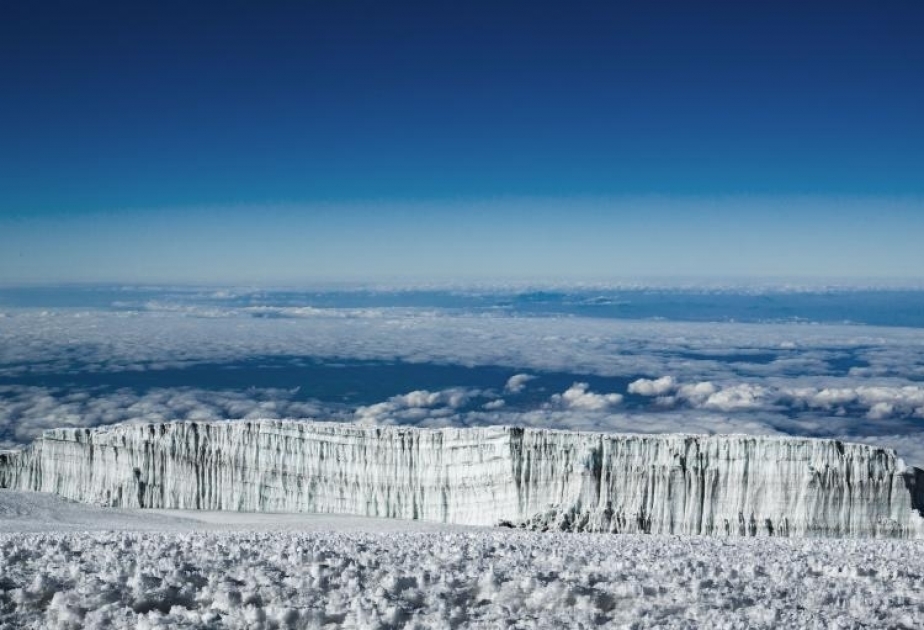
726,485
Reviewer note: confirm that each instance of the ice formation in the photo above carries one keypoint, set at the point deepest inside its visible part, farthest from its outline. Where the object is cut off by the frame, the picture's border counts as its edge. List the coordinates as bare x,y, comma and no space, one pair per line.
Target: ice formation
543,479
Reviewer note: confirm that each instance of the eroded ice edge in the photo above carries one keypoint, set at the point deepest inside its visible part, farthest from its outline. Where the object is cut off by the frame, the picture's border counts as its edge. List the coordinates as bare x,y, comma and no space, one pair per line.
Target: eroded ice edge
542,479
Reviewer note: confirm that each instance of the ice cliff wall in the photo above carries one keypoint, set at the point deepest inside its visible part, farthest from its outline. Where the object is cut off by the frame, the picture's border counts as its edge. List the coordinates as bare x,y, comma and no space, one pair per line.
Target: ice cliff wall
681,484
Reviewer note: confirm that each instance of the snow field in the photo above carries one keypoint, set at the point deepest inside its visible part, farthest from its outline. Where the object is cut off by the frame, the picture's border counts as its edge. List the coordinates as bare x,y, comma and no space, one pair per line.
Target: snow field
485,579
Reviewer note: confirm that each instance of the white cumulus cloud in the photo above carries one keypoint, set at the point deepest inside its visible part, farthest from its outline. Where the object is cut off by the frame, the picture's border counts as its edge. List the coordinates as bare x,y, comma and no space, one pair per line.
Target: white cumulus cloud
418,405
653,387
741,397
517,383
579,397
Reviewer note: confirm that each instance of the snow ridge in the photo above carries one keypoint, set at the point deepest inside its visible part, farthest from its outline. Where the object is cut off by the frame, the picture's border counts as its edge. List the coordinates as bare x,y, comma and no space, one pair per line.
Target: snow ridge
534,478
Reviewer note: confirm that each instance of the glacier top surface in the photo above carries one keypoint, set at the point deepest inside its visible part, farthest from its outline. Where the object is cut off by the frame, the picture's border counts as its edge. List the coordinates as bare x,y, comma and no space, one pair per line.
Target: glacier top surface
489,429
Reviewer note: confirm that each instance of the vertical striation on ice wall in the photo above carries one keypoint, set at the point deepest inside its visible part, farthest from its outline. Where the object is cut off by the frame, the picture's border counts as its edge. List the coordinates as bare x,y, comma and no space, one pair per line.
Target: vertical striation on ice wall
680,484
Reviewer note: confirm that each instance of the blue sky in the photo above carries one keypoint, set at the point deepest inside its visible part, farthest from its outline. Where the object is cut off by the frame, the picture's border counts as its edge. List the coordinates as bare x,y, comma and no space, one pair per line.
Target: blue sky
291,142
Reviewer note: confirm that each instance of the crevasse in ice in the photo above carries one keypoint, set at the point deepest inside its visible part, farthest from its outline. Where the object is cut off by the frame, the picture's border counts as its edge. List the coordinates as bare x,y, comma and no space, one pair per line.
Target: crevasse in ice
535,478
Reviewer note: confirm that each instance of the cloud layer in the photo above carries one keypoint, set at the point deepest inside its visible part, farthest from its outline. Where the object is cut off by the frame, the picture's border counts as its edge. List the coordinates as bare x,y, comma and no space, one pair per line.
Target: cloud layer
57,341
874,402
856,382
25,411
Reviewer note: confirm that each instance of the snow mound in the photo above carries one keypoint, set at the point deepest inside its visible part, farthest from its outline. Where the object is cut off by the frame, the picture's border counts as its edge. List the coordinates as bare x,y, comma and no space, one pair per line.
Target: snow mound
34,512
37,512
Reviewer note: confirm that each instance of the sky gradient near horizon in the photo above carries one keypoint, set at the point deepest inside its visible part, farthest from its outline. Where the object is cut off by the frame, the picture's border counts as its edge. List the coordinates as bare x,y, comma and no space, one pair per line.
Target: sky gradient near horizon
291,142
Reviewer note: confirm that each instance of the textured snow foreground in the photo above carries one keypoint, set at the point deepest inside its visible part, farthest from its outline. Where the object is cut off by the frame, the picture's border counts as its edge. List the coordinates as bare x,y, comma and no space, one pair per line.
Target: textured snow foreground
541,479
486,579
